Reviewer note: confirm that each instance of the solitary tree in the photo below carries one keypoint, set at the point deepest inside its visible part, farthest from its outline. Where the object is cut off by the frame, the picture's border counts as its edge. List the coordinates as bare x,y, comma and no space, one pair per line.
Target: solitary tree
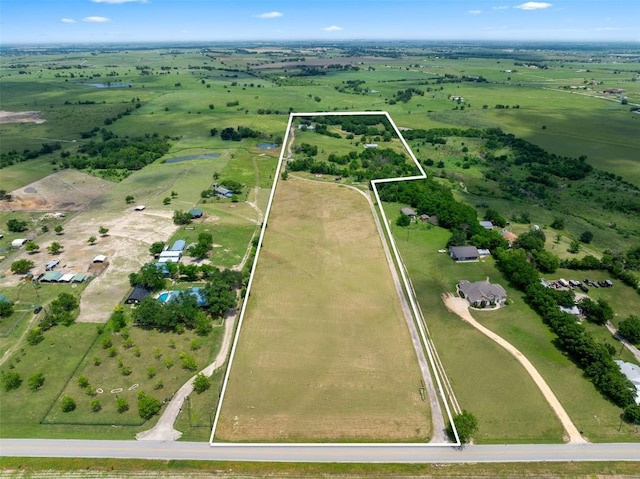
10,380
68,404
586,237
466,425
6,309
36,381
201,383
103,231
129,199
54,248
31,247
21,266
92,240
58,229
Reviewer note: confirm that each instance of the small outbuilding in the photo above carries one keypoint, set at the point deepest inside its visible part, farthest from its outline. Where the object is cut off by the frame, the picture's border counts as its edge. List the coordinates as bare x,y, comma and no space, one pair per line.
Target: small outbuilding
222,191
99,259
410,212
137,295
139,208
51,264
51,277
196,213
66,278
464,253
18,242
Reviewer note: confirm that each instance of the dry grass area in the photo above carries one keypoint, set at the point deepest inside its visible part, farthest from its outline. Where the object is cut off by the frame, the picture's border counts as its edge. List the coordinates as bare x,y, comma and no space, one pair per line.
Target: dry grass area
324,353
126,245
66,190
21,117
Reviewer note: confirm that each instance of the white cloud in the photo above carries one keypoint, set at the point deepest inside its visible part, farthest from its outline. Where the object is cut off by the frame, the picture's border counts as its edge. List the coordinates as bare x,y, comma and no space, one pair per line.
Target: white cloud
67,20
534,6
332,28
475,12
270,15
114,2
95,19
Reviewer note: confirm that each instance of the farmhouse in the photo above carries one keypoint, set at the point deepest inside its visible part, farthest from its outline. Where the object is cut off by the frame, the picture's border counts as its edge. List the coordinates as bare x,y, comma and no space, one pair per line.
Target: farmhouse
137,295
222,191
482,293
410,212
464,253
632,372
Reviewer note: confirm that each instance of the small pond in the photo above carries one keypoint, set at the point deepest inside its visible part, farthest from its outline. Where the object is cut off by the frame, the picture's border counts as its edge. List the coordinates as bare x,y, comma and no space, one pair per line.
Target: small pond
109,85
266,146
192,157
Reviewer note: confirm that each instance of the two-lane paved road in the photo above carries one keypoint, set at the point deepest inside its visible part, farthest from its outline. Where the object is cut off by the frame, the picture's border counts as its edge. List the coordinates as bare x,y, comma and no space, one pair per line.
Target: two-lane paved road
370,453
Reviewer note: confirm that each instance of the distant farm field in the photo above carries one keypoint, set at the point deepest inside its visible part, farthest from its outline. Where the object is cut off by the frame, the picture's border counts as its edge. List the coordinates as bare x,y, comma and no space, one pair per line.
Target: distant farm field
324,352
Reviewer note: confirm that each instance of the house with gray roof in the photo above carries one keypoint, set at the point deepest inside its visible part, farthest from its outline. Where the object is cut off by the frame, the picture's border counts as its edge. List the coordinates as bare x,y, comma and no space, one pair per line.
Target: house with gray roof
482,294
464,253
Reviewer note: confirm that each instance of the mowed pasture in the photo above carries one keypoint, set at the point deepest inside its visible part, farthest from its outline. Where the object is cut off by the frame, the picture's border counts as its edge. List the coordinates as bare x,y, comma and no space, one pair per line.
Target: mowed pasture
324,352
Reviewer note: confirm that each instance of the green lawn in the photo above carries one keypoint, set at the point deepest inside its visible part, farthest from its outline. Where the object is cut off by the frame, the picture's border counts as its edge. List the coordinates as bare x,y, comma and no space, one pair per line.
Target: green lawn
466,352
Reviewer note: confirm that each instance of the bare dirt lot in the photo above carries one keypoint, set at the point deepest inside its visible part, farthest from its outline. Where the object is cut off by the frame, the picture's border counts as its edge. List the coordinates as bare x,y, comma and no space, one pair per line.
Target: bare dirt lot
21,117
325,352
126,245
66,190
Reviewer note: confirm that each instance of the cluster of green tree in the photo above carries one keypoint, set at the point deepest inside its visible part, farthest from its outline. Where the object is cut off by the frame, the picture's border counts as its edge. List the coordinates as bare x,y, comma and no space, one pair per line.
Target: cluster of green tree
17,226
595,358
130,153
619,265
369,125
202,247
181,217
523,170
629,329
405,95
307,149
367,165
431,198
12,157
60,311
183,311
239,133
6,308
355,86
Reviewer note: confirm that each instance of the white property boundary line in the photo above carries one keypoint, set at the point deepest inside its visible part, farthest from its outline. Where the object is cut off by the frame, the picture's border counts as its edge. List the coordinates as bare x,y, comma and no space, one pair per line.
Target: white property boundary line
399,265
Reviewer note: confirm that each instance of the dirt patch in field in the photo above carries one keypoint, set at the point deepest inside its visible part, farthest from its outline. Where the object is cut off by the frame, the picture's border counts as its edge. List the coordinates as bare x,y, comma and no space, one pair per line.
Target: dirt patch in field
126,246
21,117
67,190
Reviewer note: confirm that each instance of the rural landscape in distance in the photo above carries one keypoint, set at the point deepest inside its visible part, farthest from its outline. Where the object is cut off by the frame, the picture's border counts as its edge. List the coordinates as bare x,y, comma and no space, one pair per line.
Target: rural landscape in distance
319,253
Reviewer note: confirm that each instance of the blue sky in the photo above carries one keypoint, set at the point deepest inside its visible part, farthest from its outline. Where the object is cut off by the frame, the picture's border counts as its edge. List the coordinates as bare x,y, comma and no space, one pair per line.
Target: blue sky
72,21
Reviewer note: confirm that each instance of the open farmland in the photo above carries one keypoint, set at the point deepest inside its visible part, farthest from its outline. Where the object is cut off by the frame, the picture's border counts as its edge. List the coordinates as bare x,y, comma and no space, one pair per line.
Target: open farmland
324,353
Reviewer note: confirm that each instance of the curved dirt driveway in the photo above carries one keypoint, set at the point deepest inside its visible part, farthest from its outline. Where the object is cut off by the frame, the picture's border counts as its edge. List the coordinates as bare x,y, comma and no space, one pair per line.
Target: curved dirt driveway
460,307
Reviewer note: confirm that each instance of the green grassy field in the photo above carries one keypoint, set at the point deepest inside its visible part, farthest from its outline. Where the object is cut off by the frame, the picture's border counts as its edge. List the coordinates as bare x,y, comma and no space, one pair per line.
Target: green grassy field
465,352
560,107
324,352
